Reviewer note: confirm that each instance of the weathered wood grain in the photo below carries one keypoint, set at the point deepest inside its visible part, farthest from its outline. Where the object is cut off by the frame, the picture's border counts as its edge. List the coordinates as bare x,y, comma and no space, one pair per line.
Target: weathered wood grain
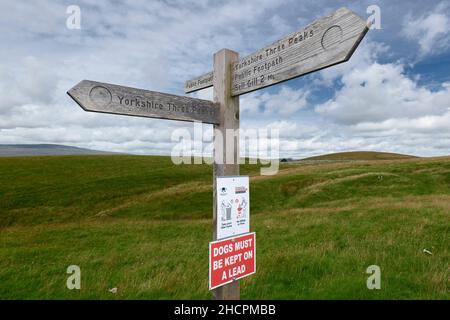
324,43
202,82
109,98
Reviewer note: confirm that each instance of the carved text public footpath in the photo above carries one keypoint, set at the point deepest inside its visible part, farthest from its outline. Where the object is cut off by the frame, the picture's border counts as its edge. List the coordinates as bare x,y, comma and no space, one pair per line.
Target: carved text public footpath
258,68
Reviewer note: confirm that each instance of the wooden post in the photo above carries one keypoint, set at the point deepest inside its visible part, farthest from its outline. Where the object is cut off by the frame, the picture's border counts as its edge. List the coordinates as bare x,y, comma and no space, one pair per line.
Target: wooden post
229,119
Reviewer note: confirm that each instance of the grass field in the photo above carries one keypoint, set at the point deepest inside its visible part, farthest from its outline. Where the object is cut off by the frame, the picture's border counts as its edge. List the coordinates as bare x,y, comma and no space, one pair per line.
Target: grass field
361,155
142,224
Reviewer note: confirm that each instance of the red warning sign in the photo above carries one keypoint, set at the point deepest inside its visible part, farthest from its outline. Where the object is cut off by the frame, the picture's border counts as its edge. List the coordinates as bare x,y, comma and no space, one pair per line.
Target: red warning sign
231,259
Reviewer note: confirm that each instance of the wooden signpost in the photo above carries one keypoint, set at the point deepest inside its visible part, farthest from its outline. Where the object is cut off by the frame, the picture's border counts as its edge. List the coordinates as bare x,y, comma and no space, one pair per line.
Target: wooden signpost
109,98
202,82
323,43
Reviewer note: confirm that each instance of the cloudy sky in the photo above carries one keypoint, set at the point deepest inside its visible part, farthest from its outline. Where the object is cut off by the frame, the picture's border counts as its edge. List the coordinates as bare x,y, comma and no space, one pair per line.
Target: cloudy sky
393,95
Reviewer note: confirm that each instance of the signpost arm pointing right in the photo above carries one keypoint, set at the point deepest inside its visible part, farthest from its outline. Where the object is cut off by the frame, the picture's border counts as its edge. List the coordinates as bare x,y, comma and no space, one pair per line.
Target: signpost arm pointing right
228,119
324,43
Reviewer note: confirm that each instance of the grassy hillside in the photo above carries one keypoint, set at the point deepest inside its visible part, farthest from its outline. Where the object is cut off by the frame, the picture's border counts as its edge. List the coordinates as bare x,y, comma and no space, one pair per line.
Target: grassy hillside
142,224
15,150
361,155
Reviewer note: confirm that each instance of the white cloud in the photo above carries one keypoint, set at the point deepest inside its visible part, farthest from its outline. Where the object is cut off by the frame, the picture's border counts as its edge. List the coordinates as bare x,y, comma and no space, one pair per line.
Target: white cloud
380,92
430,30
158,45
279,25
155,45
28,81
284,103
366,53
380,108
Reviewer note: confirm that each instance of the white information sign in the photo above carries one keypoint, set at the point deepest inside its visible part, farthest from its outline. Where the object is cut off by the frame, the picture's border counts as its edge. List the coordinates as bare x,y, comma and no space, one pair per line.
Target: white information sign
233,206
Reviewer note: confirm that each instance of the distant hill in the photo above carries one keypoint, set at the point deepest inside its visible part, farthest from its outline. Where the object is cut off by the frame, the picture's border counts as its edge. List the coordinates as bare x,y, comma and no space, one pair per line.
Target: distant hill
361,155
14,150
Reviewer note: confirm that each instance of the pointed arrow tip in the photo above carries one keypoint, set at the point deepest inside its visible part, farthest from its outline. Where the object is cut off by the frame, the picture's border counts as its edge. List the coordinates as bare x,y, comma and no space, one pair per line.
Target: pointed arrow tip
75,94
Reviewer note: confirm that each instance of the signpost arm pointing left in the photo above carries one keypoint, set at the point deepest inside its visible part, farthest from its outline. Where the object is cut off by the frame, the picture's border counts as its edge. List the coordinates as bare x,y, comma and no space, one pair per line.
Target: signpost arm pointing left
110,98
